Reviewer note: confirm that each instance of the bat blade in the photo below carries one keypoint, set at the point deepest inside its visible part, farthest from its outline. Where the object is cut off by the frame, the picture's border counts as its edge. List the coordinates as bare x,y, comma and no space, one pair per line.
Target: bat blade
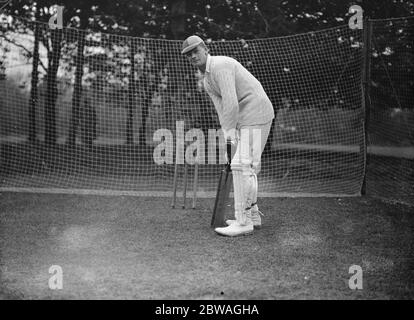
223,192
222,199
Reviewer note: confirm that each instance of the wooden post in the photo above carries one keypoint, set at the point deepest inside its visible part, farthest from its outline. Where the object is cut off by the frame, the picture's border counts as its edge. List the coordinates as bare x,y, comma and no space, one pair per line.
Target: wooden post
366,101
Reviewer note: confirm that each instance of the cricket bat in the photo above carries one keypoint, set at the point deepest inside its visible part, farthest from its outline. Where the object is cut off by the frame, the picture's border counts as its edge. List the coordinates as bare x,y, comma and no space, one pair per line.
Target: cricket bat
223,191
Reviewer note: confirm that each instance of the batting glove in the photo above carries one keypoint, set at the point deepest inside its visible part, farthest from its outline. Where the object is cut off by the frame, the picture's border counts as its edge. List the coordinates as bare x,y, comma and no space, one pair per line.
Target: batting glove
231,135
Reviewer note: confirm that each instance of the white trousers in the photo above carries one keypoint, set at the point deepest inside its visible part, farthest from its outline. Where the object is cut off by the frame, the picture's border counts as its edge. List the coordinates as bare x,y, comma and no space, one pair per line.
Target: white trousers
246,164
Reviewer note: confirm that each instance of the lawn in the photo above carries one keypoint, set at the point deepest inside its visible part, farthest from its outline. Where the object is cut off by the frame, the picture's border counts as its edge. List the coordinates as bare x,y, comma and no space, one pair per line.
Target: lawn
124,247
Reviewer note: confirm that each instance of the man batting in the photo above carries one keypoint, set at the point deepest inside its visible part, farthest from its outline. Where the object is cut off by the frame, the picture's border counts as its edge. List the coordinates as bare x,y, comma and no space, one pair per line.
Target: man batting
245,113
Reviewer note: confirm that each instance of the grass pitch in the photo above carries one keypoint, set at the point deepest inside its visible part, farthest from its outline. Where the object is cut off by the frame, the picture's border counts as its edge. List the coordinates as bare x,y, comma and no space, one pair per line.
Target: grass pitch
140,248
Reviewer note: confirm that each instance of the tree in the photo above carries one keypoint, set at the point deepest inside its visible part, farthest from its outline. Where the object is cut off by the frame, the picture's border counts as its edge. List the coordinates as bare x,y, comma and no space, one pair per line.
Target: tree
132,86
177,19
56,37
83,15
52,41
35,80
161,19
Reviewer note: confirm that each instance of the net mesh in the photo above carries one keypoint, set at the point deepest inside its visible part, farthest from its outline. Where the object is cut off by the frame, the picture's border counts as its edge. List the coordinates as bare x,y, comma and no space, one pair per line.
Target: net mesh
391,114
105,103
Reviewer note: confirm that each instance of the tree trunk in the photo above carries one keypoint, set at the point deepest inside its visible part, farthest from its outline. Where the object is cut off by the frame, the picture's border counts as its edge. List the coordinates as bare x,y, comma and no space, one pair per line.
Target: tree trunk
150,88
178,14
178,10
77,91
161,58
35,80
131,95
52,92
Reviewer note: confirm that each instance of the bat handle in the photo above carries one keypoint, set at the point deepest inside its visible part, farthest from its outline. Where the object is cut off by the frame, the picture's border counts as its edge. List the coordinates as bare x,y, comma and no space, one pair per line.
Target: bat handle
229,146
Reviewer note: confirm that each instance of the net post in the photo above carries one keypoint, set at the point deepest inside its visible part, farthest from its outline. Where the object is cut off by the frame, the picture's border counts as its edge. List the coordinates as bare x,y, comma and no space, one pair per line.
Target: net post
366,79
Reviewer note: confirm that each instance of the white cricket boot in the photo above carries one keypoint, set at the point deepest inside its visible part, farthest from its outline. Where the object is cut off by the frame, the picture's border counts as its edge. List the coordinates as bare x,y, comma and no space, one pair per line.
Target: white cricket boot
254,216
243,225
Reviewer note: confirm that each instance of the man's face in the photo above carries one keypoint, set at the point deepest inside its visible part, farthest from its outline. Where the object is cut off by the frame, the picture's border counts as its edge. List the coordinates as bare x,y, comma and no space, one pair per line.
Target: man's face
197,56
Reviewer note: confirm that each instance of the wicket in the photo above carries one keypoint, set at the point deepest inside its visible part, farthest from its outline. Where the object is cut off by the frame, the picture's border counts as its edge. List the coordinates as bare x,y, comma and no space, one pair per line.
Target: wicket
175,183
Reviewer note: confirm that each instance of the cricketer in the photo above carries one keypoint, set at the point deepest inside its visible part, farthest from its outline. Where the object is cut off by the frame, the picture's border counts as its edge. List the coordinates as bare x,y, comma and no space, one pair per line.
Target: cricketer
245,113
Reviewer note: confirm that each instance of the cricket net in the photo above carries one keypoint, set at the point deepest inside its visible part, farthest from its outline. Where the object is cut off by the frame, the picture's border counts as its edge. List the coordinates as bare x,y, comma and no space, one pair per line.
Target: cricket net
391,110
110,113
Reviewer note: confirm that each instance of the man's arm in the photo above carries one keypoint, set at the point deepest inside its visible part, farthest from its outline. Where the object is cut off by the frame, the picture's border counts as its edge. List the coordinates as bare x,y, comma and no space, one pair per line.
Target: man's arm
217,104
226,81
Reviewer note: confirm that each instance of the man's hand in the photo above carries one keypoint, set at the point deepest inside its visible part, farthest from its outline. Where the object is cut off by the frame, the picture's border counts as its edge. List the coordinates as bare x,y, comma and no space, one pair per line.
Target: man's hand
231,135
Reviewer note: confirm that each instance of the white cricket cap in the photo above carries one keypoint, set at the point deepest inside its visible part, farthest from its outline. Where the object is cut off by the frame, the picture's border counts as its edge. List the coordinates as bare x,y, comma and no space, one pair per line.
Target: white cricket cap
190,43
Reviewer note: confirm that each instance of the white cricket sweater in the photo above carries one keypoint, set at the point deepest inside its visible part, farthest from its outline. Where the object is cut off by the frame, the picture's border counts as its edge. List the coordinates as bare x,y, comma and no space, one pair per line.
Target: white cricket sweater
238,96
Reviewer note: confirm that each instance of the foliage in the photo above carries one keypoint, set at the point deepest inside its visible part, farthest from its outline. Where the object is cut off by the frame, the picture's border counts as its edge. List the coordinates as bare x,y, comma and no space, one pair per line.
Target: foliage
108,25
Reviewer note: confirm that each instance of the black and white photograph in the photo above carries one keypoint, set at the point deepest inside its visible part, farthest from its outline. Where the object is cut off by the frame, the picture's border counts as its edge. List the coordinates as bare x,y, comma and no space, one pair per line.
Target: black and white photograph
206,155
